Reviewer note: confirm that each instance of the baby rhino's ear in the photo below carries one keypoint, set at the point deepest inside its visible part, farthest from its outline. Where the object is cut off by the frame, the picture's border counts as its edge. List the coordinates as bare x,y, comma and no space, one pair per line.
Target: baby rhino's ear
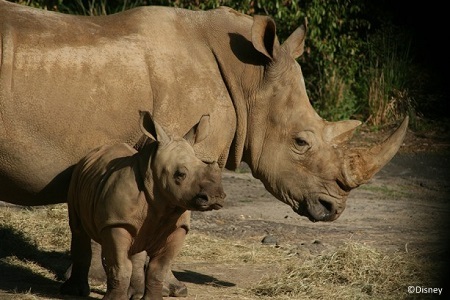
199,131
152,129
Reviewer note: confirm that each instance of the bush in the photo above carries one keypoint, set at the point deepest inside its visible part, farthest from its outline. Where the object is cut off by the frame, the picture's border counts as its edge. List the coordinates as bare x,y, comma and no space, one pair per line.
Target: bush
334,54
388,76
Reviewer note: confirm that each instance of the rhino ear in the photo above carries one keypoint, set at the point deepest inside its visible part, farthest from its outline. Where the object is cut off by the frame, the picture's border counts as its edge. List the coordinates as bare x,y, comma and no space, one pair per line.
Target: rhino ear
151,128
339,132
264,37
199,131
295,43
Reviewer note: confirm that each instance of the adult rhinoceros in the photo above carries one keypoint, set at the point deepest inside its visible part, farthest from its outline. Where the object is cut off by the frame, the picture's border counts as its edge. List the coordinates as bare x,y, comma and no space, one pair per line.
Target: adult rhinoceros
71,83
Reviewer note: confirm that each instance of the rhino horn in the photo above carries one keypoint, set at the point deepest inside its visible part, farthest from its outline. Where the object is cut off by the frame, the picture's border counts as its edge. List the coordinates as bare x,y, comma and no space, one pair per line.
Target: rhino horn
360,164
340,132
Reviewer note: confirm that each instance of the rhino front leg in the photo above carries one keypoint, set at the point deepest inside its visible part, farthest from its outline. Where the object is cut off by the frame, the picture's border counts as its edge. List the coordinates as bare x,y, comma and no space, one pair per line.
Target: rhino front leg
116,242
172,286
80,251
160,265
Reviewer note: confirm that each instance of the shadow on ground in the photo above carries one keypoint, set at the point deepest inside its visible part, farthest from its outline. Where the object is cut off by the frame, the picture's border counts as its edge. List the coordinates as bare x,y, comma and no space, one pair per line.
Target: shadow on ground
198,278
17,279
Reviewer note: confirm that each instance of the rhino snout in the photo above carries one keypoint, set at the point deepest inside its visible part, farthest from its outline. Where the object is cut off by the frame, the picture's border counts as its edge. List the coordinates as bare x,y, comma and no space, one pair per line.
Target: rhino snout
204,201
211,195
322,209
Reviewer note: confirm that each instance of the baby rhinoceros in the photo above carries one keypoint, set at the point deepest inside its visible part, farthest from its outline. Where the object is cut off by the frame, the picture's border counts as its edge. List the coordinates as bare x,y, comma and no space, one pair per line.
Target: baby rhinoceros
130,201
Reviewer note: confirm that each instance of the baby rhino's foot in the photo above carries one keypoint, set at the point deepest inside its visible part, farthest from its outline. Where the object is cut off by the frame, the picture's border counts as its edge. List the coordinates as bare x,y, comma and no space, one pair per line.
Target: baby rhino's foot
174,289
75,288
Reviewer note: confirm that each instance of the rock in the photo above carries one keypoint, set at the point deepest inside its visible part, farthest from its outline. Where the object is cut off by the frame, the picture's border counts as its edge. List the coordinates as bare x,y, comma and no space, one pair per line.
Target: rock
269,240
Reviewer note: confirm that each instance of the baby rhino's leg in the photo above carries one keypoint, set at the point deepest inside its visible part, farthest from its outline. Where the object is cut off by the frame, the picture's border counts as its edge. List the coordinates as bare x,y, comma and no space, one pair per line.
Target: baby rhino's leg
80,251
116,242
137,283
160,265
172,286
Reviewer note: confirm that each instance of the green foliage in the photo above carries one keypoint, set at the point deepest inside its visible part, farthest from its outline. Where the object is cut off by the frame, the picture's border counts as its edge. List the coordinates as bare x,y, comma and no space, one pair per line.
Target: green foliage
46,4
333,54
349,72
98,7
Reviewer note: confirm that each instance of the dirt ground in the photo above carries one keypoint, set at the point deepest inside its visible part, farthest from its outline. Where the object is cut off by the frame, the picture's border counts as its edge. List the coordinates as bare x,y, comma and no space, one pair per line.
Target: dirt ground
405,207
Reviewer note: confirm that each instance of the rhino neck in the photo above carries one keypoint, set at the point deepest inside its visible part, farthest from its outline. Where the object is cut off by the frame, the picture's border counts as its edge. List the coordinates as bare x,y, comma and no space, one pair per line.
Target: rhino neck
241,91
242,70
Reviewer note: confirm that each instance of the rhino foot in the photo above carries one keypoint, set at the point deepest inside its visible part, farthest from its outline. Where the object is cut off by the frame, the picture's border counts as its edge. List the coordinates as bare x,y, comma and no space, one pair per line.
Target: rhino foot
75,288
173,287
175,291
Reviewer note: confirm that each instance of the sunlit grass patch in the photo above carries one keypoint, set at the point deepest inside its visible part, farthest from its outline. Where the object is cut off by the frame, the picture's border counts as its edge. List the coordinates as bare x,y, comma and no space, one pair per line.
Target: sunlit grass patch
45,227
202,247
352,271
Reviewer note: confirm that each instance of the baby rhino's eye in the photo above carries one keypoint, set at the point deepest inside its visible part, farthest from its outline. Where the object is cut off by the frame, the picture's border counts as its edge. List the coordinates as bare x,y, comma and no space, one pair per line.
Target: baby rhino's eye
179,176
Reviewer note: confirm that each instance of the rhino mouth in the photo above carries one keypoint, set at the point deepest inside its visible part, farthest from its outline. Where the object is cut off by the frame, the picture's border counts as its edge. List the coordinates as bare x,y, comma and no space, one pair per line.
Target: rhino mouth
319,209
203,202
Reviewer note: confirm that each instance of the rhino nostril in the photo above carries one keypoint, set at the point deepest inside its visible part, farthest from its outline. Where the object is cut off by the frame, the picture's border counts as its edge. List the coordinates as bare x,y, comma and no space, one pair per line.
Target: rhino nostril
329,207
202,199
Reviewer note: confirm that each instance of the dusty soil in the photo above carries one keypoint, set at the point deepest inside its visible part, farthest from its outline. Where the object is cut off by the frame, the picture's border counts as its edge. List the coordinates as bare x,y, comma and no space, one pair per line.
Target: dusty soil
404,208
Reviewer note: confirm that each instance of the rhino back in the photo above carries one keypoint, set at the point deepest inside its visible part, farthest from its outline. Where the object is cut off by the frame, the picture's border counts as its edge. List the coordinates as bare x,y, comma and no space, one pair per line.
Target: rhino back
73,68
104,191
86,78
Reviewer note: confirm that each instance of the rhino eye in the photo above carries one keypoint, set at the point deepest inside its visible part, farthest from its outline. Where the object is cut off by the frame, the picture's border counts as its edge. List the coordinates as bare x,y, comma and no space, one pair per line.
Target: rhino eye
300,145
301,142
179,176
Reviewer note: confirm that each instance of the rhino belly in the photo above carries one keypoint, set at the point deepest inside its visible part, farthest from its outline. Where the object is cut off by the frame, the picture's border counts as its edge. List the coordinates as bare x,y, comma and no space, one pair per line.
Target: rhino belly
32,175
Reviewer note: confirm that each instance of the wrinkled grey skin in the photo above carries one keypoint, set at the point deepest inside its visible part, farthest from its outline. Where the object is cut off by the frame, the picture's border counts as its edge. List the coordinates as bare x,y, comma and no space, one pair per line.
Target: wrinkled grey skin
71,83
131,201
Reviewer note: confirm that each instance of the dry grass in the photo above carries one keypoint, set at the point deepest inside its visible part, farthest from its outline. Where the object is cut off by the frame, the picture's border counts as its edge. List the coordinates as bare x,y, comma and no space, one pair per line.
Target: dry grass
44,227
201,247
352,271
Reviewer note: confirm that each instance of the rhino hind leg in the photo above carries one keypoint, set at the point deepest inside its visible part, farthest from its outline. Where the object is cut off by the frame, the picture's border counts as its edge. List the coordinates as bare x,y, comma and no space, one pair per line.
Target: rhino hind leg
97,273
137,283
77,284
